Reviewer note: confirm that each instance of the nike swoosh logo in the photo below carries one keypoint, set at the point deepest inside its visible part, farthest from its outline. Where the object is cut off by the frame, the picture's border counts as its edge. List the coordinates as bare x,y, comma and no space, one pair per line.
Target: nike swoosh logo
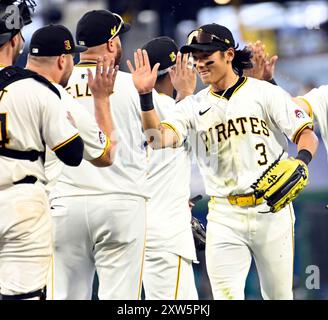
203,112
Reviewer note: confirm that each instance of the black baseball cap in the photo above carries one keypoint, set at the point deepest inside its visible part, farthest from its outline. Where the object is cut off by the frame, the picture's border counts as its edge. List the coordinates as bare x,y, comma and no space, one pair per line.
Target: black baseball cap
163,50
209,38
12,21
53,40
98,26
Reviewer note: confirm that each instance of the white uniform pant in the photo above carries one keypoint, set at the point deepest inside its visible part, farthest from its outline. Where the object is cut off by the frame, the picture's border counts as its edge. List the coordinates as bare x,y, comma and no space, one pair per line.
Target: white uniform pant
25,239
104,233
235,235
168,276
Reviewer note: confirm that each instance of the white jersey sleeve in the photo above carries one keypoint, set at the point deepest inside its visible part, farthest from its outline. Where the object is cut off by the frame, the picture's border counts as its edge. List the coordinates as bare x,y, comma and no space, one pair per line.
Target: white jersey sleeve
284,113
56,129
317,99
34,118
181,121
95,141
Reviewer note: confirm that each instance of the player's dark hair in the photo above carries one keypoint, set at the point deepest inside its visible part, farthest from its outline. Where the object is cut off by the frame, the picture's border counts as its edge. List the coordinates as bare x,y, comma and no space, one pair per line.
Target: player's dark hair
242,60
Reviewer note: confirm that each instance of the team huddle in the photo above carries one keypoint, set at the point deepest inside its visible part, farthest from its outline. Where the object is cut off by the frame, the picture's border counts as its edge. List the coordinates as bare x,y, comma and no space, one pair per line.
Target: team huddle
95,163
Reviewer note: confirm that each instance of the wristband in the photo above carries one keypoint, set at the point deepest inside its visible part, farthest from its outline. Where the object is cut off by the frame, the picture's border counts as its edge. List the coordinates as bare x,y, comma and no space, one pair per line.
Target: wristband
146,101
305,156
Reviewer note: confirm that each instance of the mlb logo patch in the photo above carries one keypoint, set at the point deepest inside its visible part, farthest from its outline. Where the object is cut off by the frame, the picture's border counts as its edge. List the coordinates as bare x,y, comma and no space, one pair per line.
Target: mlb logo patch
102,137
299,113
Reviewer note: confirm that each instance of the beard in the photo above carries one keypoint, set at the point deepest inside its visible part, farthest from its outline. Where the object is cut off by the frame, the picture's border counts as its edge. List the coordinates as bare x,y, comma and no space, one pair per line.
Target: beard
65,78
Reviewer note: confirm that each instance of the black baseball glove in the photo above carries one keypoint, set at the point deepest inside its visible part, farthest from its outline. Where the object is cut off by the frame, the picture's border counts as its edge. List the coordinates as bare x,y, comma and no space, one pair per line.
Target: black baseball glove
199,233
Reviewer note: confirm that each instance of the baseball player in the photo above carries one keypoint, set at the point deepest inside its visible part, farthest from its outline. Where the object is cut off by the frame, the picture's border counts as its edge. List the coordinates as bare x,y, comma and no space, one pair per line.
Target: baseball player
99,213
29,120
168,272
49,48
241,125
314,103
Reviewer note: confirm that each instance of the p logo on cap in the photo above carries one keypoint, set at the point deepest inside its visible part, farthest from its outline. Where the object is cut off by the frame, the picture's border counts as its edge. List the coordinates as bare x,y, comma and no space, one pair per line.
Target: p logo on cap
173,56
113,31
67,45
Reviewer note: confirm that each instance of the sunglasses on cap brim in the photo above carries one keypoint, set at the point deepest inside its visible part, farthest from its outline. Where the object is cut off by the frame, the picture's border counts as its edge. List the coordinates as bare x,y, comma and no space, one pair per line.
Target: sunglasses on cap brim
201,37
119,26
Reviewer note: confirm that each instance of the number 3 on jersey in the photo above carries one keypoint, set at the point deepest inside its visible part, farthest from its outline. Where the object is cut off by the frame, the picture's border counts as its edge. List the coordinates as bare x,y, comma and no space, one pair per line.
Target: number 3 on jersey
261,147
3,130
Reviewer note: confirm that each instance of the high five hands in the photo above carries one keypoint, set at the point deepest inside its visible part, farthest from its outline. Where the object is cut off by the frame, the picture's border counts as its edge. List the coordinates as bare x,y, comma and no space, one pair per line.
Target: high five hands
144,78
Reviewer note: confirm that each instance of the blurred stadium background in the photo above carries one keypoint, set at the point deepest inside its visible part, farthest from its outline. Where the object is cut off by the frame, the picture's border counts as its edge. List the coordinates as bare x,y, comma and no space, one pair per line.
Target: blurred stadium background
295,30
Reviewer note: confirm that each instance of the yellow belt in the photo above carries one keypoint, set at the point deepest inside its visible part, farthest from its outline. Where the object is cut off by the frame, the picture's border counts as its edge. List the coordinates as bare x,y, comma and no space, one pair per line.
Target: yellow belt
242,200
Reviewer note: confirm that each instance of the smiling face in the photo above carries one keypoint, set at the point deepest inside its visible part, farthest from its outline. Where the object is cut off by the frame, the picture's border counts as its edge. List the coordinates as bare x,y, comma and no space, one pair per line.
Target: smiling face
213,66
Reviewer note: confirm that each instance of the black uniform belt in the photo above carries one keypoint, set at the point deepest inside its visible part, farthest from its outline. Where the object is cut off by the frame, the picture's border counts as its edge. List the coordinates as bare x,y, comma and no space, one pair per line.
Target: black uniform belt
27,179
31,155
41,293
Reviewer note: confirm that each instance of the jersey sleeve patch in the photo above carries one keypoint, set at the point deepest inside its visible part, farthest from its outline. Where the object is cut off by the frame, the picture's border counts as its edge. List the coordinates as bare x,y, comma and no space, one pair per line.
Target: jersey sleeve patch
107,146
309,106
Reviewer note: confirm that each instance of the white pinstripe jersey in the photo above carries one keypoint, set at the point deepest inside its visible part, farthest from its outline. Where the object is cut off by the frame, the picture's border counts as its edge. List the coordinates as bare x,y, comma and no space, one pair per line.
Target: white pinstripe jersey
30,117
127,174
318,100
235,140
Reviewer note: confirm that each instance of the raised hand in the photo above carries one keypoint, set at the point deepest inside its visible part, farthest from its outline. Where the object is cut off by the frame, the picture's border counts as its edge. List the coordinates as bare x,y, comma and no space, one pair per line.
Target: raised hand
102,84
183,76
143,77
258,59
263,65
269,68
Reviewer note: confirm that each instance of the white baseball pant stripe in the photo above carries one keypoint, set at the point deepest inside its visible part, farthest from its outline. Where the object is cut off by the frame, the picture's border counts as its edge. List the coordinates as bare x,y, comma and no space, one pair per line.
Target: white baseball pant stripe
235,235
168,276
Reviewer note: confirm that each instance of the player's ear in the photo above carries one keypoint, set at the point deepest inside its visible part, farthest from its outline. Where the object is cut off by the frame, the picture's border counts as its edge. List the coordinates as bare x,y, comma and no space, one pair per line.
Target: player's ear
61,62
230,54
110,46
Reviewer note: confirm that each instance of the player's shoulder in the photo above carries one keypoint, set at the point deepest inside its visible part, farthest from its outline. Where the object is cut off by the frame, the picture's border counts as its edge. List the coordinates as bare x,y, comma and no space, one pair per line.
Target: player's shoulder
163,103
264,89
250,81
65,96
163,98
257,83
321,91
199,96
124,78
60,88
124,75
124,88
30,88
